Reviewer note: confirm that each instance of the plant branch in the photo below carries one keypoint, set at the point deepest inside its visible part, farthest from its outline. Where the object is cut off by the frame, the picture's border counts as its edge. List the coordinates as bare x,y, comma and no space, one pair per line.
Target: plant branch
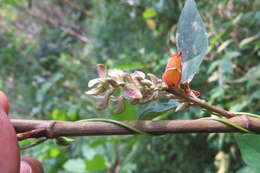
50,21
201,103
54,129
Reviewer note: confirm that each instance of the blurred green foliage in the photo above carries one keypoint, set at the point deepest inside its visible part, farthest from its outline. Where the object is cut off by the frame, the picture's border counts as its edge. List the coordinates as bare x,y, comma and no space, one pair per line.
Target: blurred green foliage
46,67
250,149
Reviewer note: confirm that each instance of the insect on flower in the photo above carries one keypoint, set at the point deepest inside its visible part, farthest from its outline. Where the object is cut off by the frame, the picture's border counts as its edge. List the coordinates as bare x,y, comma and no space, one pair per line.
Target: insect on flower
173,70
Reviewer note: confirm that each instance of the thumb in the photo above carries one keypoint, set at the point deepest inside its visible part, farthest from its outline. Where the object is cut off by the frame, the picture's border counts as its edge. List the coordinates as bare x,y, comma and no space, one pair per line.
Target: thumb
30,165
10,154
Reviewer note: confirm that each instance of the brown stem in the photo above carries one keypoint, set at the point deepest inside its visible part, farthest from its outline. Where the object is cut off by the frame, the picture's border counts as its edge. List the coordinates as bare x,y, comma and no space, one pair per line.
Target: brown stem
60,128
201,103
48,20
31,134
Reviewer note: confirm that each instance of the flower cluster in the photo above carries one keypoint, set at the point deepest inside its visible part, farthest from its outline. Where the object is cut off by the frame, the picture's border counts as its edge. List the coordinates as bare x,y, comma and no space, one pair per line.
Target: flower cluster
117,85
137,87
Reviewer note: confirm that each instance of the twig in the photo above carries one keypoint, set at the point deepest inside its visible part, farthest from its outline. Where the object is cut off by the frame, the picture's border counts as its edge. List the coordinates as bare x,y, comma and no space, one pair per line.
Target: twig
201,103
53,23
61,128
31,134
76,6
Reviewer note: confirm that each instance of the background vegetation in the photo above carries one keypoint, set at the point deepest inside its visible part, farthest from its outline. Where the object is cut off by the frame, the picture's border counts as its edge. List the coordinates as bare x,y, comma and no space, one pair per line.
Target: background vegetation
48,52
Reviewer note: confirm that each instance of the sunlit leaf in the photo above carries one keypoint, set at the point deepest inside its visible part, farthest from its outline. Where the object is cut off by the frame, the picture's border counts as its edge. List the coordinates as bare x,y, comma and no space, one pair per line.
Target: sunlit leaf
11,2
192,39
54,152
59,114
248,40
149,13
224,45
131,66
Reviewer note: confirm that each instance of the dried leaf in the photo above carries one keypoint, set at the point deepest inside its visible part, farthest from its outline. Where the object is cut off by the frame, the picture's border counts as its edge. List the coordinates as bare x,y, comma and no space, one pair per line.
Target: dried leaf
120,105
155,80
93,82
117,75
131,92
102,104
138,75
96,91
101,70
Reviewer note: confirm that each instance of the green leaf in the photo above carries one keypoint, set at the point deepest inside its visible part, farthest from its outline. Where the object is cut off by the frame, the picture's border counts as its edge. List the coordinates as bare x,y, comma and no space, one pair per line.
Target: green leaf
249,145
231,54
59,114
89,152
226,66
247,170
75,165
216,93
128,114
131,66
128,167
213,66
97,163
240,104
54,152
246,41
156,110
224,45
64,141
252,75
192,39
149,13
11,2
41,93
255,95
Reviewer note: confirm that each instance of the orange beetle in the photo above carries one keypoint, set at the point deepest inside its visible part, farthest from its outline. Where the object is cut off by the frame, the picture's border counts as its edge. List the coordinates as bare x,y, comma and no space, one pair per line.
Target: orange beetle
172,73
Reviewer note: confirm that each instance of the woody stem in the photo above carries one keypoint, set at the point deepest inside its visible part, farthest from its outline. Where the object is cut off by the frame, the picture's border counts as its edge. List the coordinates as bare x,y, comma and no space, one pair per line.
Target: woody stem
201,103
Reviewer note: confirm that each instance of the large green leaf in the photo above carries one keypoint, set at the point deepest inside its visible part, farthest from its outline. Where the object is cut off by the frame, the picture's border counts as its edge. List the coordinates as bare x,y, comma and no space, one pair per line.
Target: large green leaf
249,145
191,39
156,110
97,163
